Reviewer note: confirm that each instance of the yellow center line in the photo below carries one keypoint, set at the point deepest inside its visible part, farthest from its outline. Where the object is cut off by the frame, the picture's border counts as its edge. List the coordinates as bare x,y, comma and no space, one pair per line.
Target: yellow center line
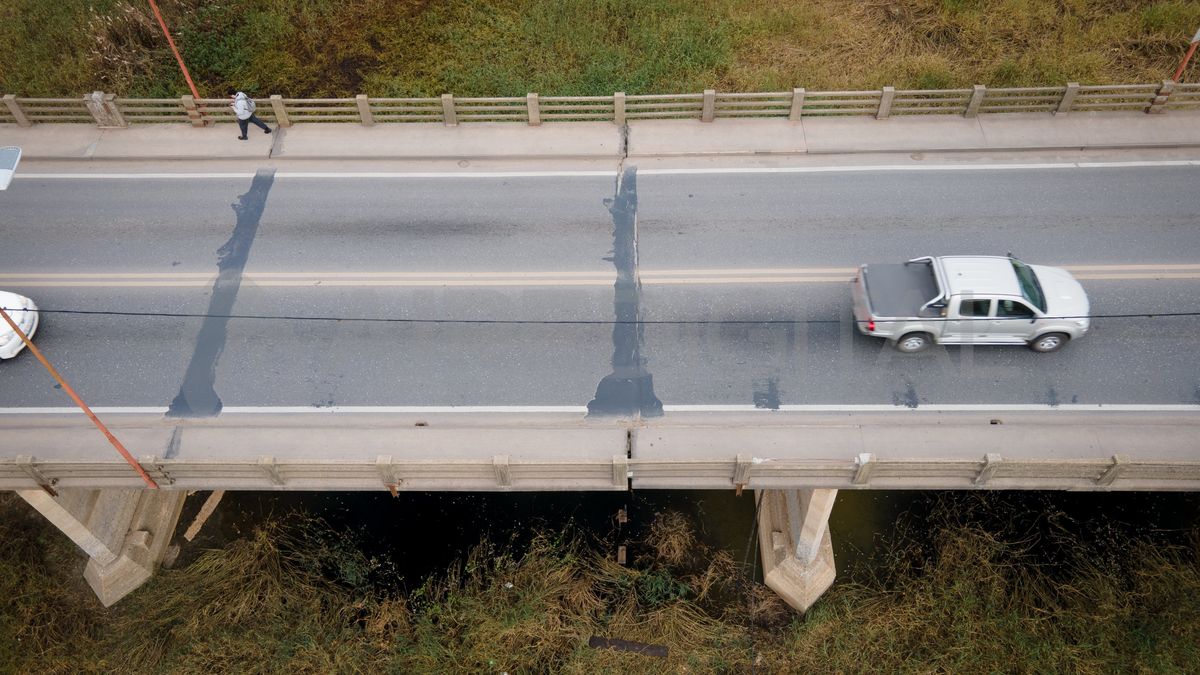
649,277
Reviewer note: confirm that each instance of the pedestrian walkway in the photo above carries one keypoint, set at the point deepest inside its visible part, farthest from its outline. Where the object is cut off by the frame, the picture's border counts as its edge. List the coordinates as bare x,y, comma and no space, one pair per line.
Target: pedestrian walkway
600,140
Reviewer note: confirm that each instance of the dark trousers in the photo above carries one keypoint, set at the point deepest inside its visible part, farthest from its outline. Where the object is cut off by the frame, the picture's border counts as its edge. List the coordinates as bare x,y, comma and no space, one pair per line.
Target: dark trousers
245,124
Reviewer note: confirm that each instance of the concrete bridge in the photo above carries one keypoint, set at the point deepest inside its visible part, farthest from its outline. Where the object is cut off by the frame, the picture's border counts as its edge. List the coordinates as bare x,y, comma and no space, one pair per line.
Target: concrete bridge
797,457
262,320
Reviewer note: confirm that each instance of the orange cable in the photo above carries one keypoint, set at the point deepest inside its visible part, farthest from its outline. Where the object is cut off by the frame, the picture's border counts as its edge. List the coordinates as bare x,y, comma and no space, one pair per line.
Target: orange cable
79,402
1188,57
187,76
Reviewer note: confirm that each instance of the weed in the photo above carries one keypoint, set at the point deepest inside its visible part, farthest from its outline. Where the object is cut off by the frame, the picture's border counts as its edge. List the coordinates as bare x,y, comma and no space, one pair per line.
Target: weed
973,597
319,48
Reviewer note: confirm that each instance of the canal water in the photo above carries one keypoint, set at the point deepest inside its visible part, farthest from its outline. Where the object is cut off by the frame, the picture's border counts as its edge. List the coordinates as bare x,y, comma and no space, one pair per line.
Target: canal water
421,534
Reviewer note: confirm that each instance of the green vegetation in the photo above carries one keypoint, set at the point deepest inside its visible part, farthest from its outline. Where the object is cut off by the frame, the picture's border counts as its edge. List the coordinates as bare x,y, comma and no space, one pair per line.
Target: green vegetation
311,48
301,598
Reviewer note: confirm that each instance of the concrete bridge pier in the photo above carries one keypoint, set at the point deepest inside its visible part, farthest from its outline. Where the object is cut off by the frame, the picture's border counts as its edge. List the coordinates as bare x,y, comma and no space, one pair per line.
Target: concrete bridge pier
793,537
124,532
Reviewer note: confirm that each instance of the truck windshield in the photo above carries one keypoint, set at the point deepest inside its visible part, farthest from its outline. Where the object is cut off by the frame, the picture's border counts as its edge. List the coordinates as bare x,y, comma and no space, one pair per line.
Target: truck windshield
1030,288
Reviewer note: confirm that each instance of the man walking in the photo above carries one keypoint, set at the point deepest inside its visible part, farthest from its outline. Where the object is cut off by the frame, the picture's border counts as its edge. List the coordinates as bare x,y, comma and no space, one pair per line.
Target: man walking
243,107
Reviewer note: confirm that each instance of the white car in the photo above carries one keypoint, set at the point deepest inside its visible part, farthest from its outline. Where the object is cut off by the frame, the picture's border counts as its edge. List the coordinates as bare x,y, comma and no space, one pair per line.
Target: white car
978,300
25,314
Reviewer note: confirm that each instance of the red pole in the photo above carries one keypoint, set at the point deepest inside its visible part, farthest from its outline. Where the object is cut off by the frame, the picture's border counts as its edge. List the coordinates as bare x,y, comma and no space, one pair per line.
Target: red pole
186,75
1187,57
79,402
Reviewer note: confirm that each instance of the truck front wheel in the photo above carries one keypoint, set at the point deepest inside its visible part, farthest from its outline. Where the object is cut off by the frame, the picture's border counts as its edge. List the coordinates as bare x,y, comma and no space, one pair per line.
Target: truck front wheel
913,342
1050,342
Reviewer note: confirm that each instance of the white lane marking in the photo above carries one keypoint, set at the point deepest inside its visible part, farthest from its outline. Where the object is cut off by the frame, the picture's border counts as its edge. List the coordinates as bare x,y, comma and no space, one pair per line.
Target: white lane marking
611,173
606,173
714,272
922,167
947,407
863,408
109,410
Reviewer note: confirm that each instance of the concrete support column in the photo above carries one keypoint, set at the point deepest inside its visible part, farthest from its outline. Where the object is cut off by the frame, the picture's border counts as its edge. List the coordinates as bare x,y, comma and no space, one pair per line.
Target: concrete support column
124,532
793,538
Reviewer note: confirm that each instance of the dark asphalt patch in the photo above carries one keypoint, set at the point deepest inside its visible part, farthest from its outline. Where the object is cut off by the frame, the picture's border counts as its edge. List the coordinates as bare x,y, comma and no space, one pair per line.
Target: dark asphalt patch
908,399
766,393
197,395
629,389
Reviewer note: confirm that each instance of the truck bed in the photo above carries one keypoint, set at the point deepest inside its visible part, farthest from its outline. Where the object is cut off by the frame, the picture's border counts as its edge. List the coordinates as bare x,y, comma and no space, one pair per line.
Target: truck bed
899,290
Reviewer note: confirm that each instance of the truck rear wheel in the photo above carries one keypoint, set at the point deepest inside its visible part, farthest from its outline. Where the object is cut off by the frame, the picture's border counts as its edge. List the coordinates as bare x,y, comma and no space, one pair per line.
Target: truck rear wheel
1050,342
913,342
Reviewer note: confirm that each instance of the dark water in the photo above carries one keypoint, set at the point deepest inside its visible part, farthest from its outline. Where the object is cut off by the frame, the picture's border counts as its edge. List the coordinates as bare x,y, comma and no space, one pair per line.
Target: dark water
421,534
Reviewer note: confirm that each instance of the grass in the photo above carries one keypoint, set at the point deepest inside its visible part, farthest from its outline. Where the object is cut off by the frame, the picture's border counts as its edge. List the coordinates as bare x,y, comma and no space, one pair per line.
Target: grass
317,48
302,598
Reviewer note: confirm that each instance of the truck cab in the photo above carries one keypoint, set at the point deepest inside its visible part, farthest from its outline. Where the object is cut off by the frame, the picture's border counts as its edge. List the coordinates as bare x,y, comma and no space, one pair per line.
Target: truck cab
977,300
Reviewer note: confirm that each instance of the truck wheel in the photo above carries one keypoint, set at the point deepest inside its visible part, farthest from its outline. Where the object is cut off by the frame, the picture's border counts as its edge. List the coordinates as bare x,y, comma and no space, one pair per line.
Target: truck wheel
913,342
1050,342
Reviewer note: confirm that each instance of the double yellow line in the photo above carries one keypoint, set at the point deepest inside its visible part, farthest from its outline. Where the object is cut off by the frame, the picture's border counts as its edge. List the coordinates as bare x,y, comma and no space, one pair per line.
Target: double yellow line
649,277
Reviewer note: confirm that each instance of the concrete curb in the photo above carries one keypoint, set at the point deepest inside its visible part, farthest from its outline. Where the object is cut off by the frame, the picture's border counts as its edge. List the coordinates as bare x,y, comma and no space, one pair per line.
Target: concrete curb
603,140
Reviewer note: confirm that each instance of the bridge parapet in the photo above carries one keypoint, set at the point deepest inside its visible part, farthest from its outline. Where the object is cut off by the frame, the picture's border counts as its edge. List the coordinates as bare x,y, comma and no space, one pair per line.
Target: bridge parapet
902,449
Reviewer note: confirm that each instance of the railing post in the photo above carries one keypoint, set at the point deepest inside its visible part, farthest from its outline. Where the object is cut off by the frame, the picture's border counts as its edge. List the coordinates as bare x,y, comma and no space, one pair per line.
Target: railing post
619,108
10,101
1159,105
991,463
448,116
28,464
863,465
364,110
114,111
741,471
534,109
387,472
281,116
710,105
1113,471
620,471
1068,99
193,112
885,103
797,104
501,468
103,108
977,95
266,463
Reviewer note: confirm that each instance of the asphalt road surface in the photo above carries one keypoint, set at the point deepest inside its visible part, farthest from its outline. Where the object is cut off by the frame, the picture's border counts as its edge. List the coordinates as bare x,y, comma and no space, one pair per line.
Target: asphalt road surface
742,296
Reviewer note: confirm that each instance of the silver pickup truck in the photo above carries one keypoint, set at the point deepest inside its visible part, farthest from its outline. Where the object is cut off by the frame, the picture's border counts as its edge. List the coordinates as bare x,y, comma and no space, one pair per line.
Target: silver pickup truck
977,300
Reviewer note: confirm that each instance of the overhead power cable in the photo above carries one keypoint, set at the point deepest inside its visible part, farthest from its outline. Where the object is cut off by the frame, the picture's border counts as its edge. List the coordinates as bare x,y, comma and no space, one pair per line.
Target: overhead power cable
568,322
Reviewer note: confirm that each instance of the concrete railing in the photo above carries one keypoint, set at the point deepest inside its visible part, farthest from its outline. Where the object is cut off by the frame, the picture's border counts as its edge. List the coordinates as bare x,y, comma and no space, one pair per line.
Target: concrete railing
1051,449
501,473
109,110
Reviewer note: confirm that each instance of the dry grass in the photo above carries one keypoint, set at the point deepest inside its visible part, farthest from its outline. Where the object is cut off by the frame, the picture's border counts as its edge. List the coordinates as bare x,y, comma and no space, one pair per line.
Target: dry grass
304,599
574,47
